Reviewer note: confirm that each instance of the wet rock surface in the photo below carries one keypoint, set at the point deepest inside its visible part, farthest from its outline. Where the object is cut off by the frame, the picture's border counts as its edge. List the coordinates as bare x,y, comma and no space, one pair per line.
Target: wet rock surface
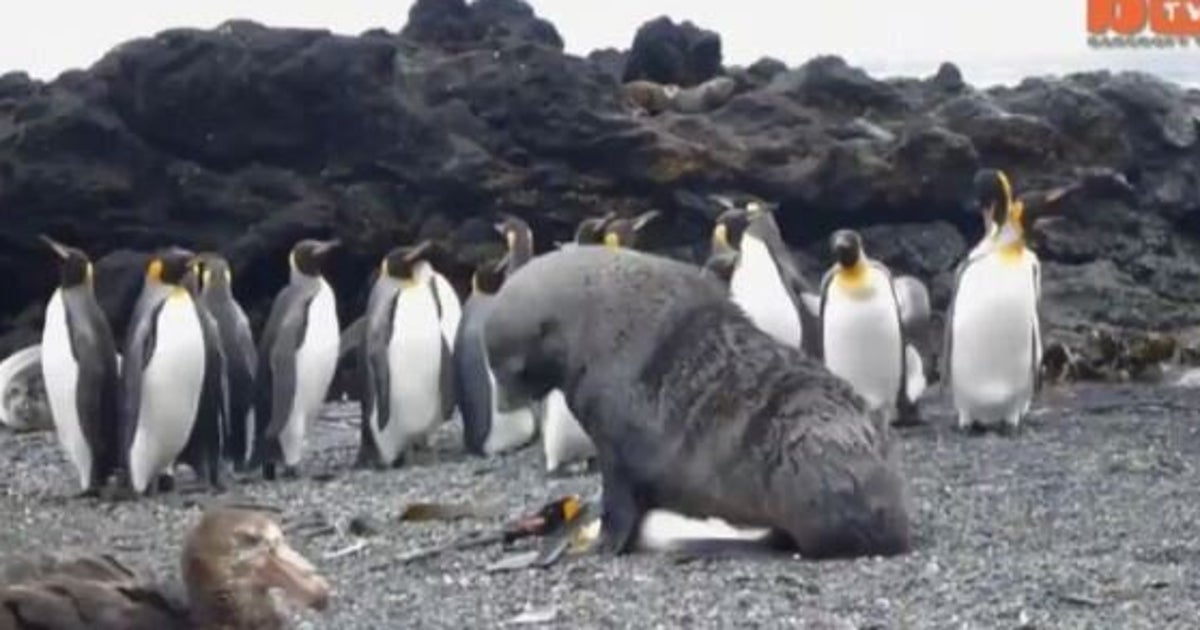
244,138
1085,519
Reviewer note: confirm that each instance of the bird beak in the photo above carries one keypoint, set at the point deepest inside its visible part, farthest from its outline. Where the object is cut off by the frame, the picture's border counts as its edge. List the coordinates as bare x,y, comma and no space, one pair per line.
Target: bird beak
58,248
324,247
286,569
418,250
645,218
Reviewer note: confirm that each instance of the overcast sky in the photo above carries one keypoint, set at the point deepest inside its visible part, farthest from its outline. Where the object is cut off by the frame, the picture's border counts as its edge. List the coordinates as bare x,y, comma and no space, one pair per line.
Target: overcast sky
45,37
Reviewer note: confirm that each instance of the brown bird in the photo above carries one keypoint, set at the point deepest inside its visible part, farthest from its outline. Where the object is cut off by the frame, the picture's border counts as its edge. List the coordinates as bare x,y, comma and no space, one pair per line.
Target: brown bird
231,560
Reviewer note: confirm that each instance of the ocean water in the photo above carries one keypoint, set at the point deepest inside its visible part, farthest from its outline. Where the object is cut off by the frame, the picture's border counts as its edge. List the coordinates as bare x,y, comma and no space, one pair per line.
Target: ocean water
1180,66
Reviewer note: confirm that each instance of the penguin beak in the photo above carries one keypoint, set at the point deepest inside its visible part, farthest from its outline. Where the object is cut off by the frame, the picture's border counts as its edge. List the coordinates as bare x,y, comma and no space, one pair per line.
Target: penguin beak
418,250
59,248
645,218
324,247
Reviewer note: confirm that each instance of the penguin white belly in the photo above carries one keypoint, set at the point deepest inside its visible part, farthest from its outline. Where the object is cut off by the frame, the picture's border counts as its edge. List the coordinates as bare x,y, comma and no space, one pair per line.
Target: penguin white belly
451,308
995,317
316,360
862,341
172,383
60,373
509,430
665,531
757,287
414,373
563,439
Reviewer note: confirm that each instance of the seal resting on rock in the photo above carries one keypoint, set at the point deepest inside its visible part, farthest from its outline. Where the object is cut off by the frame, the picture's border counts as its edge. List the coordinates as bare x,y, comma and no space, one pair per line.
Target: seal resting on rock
692,408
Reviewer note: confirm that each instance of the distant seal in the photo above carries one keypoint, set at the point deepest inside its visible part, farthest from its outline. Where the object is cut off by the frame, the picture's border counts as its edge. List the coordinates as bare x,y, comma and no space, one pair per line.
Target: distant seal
705,97
648,96
24,406
692,408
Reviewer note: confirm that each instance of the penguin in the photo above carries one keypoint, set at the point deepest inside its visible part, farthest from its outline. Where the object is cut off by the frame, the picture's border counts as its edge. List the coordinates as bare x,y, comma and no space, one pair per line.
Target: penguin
297,355
765,282
518,240
912,296
240,353
79,369
405,356
861,330
172,402
591,231
993,341
625,232
564,440
486,431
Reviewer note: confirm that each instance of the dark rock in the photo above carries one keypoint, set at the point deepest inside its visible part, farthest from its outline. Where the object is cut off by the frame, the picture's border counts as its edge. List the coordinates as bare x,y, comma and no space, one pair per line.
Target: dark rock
830,83
948,78
677,54
609,60
455,25
1154,107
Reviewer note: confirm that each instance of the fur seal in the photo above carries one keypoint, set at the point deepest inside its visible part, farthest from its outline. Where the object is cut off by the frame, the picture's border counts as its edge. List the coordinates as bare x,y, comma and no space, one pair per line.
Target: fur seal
693,409
648,96
705,97
23,402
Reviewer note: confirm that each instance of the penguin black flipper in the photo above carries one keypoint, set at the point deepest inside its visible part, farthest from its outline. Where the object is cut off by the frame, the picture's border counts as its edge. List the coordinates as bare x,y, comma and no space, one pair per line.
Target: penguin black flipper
905,407
378,337
352,336
1037,333
282,337
206,443
472,386
139,350
97,391
447,377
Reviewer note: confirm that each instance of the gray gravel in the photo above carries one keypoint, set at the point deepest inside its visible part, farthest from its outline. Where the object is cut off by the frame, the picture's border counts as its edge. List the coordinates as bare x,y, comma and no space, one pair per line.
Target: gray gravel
1088,519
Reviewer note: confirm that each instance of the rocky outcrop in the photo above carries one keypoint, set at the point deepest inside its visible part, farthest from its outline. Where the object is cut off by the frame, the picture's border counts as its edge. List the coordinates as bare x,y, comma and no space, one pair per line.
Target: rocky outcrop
244,138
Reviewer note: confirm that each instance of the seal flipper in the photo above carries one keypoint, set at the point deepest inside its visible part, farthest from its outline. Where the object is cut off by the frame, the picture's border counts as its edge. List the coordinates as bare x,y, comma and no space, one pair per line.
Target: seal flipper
622,514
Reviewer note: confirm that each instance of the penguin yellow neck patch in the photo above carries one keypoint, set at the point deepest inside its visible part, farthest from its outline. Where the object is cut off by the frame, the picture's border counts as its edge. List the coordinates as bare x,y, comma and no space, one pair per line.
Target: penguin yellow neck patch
612,241
177,293
721,235
854,277
154,271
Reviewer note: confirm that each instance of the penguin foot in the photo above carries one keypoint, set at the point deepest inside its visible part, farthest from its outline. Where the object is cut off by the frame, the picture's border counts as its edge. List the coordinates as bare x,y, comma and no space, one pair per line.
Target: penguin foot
92,492
976,428
164,483
269,472
291,473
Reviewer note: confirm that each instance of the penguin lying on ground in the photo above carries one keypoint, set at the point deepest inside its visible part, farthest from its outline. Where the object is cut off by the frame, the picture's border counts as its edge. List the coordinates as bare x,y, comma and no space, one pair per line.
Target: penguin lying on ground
241,356
297,354
173,401
406,360
692,408
79,369
863,332
765,282
993,344
486,431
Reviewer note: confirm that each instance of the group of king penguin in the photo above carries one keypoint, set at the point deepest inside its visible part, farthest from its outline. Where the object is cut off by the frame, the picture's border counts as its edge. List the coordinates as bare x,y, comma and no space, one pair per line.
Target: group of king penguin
191,385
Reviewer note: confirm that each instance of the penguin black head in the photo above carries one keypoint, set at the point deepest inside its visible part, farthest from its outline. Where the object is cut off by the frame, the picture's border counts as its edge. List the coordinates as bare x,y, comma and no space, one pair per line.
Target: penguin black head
308,256
591,231
731,225
76,268
489,276
992,197
401,263
624,232
516,233
847,247
172,266
213,271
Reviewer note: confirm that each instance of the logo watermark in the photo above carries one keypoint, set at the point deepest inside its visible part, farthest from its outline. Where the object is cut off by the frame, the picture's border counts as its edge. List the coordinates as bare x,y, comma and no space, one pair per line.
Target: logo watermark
1149,24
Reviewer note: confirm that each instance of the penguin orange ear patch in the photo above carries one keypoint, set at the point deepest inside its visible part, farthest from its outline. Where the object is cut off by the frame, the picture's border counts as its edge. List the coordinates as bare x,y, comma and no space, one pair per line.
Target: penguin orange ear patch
155,269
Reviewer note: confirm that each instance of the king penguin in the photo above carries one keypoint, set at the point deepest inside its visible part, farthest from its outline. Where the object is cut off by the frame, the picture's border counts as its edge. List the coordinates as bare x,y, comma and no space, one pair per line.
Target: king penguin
241,356
518,240
993,342
486,430
765,282
627,231
861,329
406,359
297,355
591,230
79,369
172,399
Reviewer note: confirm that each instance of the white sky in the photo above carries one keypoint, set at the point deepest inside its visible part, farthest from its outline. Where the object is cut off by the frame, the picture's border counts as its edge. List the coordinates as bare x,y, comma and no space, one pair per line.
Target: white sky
45,37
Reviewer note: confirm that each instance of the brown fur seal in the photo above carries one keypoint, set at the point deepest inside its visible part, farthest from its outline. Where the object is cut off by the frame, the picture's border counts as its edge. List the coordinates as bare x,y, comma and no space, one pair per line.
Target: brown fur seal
705,97
651,97
692,408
